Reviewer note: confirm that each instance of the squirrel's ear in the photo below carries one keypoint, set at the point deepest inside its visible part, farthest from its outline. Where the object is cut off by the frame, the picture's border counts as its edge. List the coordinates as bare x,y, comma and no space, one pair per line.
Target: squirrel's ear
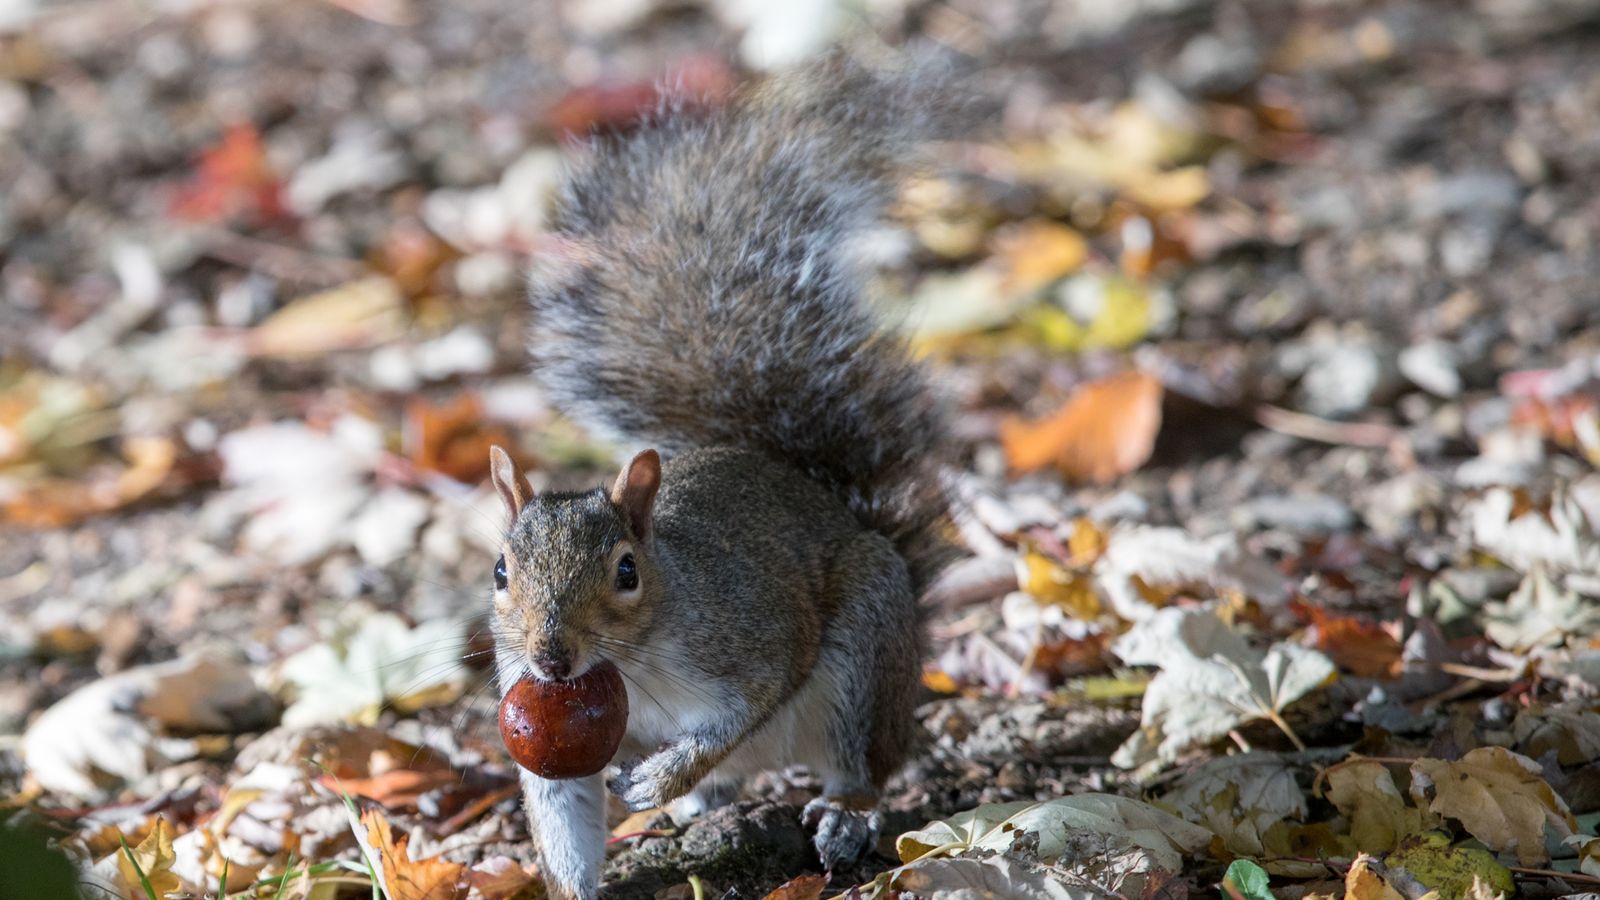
509,481
635,491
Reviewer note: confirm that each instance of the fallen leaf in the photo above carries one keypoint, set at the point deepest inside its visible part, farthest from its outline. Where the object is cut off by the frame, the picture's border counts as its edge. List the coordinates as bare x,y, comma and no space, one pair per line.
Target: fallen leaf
1362,883
1104,431
1049,582
113,729
805,887
154,857
1539,613
394,789
1245,880
1142,565
1498,796
381,661
1572,733
1449,870
970,878
1054,822
1239,798
54,502
1364,792
401,877
1211,681
1095,311
360,313
232,180
452,438
1034,254
1363,648
497,878
1563,539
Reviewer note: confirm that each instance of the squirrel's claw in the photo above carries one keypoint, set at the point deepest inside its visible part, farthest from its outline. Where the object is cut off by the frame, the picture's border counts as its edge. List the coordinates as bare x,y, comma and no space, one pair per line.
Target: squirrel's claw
844,835
632,785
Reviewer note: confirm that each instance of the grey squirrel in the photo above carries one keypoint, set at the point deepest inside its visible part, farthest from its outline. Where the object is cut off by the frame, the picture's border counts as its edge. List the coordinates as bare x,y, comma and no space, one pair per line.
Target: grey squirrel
758,589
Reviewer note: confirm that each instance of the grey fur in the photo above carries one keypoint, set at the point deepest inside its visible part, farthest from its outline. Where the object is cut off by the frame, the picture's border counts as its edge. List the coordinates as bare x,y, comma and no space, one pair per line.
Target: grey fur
708,297
702,304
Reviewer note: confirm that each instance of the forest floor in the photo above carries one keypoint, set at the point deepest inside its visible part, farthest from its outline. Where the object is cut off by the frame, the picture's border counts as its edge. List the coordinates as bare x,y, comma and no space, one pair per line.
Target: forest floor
1273,325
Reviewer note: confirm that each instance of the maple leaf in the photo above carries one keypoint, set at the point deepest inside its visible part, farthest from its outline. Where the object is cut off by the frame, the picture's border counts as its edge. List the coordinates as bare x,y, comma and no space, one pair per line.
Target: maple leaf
1499,798
1210,682
401,877
997,826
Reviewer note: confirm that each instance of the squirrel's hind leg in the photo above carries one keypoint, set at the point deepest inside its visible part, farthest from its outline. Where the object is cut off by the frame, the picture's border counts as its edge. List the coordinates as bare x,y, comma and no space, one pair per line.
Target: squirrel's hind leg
869,659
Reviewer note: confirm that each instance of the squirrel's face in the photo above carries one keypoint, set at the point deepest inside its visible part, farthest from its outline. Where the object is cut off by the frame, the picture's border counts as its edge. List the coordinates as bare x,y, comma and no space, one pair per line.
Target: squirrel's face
575,582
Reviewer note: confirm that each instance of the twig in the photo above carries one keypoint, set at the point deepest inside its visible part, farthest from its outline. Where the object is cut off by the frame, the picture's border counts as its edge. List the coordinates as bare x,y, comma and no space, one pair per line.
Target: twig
1552,873
280,261
1324,431
1479,673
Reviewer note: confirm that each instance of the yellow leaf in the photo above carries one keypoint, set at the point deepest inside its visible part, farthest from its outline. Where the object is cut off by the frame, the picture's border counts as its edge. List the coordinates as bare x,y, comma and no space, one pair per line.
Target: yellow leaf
1095,311
1177,189
1086,542
1498,796
155,857
1049,583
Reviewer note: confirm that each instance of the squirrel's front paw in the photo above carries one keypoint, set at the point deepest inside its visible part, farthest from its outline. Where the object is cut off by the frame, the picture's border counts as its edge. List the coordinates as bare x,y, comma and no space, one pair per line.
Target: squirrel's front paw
845,831
649,782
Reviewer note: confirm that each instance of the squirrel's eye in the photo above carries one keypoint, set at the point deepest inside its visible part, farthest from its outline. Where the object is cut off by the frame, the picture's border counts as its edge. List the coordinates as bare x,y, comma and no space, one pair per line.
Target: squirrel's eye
627,575
500,574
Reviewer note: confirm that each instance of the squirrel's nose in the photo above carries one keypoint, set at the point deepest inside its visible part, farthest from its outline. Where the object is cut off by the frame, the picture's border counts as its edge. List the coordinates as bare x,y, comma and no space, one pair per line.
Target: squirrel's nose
554,665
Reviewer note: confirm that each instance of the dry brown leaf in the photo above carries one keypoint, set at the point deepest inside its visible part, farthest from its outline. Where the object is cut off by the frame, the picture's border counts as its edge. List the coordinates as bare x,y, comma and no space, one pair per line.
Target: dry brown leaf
805,887
1499,798
358,314
403,878
1364,792
61,501
1106,429
1362,883
497,878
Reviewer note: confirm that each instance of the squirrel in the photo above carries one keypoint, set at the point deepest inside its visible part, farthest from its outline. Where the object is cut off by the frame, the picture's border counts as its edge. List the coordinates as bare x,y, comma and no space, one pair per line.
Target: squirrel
758,589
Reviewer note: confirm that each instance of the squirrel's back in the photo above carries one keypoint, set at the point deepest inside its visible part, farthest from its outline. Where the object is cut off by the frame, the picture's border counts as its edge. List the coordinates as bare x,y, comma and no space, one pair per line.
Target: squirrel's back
704,293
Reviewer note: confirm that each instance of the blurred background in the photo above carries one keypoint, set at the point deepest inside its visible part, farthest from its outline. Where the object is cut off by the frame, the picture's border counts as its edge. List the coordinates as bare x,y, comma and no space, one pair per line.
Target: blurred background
1310,278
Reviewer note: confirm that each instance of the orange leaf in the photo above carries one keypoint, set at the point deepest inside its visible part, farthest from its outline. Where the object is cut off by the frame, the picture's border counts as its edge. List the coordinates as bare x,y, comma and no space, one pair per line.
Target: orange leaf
805,887
232,179
1106,429
452,438
394,788
1362,648
404,879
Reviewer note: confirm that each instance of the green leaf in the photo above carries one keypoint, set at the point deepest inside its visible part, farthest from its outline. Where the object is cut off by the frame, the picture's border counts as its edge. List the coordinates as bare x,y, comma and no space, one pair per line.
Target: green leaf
1245,880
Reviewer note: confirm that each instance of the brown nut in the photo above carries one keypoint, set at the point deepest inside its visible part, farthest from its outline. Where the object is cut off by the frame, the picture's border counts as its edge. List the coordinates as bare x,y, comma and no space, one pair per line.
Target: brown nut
565,729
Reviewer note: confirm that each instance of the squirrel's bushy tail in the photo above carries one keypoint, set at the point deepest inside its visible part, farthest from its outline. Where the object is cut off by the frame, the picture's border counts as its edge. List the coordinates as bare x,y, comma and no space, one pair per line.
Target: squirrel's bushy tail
704,292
